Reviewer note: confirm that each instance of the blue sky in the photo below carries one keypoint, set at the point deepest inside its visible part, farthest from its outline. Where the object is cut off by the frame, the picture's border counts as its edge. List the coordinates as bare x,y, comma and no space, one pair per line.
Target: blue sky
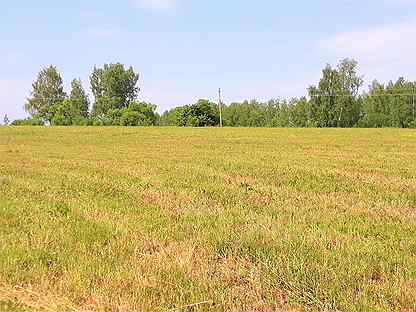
187,49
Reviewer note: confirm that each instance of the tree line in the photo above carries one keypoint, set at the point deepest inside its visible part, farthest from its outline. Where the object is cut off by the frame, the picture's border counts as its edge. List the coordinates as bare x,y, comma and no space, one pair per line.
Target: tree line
336,101
115,103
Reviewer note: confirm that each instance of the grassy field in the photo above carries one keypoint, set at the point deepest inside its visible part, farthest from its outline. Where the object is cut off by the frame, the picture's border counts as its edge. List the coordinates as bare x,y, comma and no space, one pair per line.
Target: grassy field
207,219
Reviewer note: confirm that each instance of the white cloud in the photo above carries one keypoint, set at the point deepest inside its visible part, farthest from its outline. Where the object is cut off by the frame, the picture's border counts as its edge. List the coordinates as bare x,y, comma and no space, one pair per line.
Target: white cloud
154,4
375,44
387,49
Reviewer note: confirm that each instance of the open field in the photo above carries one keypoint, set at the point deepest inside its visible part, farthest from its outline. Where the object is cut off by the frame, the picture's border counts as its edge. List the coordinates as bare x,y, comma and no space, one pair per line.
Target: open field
207,219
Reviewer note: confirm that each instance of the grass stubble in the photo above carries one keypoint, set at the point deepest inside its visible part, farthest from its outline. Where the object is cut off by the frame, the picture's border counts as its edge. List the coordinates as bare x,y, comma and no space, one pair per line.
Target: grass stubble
207,219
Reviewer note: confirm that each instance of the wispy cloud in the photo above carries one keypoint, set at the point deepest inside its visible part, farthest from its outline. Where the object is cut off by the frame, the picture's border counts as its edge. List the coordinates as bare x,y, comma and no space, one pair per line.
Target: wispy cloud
377,47
154,4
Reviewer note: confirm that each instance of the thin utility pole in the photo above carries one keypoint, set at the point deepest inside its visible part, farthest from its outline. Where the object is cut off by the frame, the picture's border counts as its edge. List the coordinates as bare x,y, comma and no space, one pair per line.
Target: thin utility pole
413,99
220,106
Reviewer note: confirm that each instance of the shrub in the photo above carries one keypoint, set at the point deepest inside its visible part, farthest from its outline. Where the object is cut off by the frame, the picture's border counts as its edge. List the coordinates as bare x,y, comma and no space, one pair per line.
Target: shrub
81,121
60,120
28,122
374,120
131,118
114,116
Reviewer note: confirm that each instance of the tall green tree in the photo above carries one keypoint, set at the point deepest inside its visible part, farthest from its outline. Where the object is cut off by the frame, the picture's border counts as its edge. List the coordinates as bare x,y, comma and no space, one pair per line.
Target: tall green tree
248,114
74,109
376,107
401,103
113,87
335,102
389,105
79,99
299,113
47,94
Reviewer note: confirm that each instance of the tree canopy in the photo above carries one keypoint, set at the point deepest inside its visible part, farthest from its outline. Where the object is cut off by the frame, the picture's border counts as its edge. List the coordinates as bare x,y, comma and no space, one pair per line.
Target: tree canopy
115,93
335,101
113,87
47,94
338,100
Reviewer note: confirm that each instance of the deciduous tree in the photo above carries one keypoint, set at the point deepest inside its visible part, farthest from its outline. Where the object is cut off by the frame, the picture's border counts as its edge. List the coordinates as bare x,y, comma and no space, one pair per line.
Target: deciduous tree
47,94
113,87
79,99
335,101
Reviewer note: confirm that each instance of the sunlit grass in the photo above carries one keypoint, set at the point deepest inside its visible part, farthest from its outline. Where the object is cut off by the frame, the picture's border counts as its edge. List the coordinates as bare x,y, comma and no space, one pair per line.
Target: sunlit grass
207,219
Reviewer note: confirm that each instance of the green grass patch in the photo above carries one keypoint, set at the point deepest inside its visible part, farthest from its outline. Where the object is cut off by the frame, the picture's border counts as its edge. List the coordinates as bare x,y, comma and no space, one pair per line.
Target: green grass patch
207,219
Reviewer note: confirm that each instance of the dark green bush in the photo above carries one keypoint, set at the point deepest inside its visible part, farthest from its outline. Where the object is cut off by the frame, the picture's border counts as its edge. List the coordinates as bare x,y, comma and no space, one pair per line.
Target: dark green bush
28,122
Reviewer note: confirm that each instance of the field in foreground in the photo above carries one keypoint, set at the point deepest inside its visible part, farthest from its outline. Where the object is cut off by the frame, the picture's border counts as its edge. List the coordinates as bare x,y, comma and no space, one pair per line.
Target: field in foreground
207,219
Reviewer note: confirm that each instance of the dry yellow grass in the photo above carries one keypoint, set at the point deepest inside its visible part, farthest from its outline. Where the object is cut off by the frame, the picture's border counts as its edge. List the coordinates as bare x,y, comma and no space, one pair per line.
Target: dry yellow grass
207,219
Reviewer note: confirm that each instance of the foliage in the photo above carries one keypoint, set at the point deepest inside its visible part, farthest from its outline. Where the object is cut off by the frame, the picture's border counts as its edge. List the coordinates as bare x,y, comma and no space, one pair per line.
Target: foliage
137,114
246,114
131,118
72,110
169,118
335,102
60,120
201,114
47,94
28,122
79,100
390,105
113,87
81,121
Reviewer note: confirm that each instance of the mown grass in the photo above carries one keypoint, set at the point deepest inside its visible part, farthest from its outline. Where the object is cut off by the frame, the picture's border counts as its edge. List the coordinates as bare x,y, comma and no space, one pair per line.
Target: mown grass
207,219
